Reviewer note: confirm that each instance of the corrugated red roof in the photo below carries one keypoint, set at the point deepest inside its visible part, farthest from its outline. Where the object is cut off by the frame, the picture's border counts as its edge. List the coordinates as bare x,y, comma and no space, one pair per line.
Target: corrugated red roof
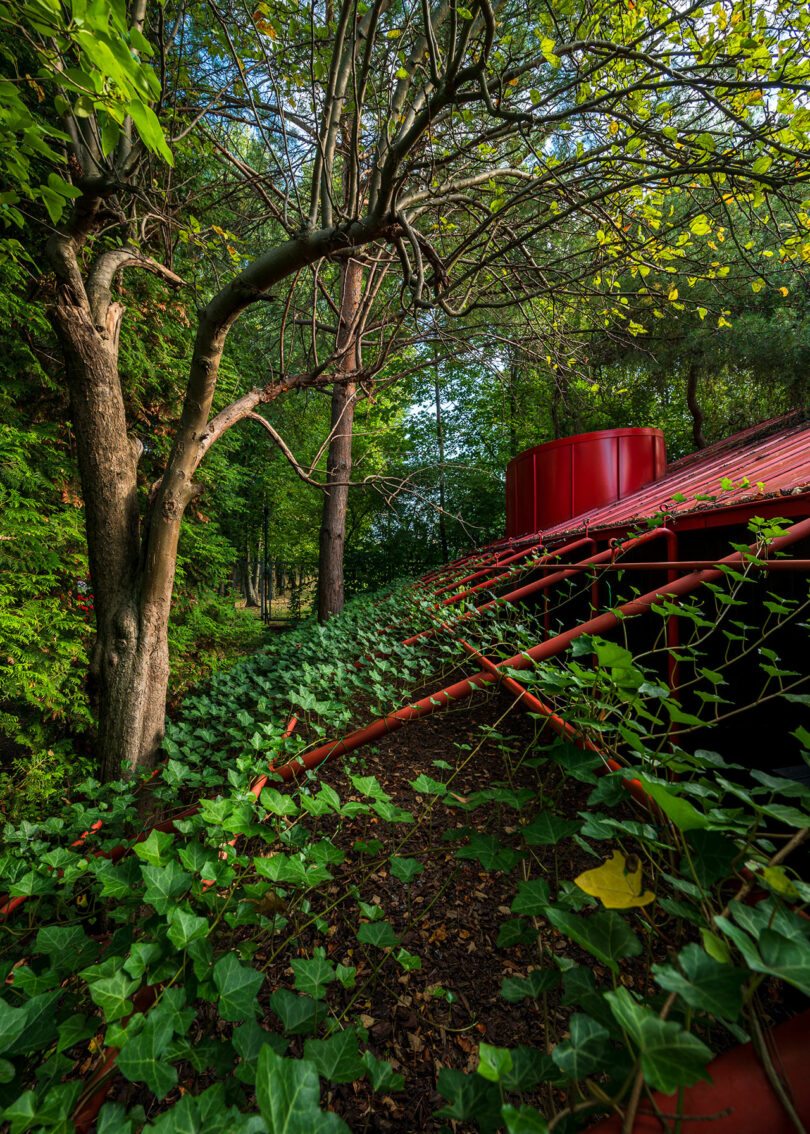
770,462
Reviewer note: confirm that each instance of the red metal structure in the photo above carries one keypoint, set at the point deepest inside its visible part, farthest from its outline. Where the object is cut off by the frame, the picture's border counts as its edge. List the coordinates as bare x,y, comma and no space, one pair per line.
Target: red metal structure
552,483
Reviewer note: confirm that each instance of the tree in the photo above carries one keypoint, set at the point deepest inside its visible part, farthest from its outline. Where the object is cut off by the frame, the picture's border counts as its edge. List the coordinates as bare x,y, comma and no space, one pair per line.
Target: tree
465,138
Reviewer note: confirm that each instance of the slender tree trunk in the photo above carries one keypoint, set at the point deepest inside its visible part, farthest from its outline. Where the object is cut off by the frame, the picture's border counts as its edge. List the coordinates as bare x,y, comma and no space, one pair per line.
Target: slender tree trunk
339,459
248,583
694,407
440,439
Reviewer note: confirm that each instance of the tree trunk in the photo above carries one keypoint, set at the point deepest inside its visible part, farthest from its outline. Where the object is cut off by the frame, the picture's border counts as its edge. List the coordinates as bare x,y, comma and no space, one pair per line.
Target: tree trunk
440,439
694,407
248,580
339,459
129,661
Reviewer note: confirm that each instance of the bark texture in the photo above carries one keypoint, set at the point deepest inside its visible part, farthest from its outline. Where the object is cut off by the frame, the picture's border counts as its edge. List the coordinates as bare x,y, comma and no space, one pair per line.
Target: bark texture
339,460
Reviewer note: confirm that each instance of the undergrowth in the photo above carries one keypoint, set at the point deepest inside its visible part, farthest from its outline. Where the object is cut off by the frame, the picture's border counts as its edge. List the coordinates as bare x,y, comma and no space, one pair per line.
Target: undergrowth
203,958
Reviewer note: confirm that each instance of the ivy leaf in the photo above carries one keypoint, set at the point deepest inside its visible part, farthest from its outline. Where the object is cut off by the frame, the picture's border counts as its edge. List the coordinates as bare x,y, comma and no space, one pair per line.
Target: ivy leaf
616,883
670,1056
298,1014
153,849
710,858
381,1074
585,1051
603,934
515,989
312,975
337,1058
379,933
471,1097
546,829
288,1092
238,986
140,1058
185,927
405,869
532,897
786,957
527,1120
494,1062
112,995
12,1022
705,983
675,807
490,852
164,884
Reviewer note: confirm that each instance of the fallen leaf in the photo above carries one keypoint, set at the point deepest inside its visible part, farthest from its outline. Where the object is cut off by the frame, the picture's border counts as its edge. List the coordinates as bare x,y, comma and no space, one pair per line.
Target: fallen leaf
616,883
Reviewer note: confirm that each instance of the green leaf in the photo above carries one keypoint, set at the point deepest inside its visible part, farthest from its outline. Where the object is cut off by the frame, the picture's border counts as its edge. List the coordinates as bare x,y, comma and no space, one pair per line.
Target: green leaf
494,1062
586,1049
711,855
786,957
605,934
164,884
185,927
379,933
299,1015
288,1093
515,989
516,931
705,983
154,849
381,1074
679,810
670,1056
238,986
472,1098
546,829
12,1022
149,129
337,1058
405,869
532,897
527,1120
140,1058
312,976
112,995
489,851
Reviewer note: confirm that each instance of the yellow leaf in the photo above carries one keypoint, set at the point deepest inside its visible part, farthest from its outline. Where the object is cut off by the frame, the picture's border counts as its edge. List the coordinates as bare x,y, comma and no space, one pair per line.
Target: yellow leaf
673,295
783,290
616,883
613,128
778,880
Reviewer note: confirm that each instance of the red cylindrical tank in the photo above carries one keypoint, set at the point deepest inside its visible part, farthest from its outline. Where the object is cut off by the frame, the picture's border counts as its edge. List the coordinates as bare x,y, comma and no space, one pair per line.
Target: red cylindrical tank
552,483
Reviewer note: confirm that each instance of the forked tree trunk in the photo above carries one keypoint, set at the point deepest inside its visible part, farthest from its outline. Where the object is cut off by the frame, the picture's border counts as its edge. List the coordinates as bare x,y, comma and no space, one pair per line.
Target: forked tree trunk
129,662
339,460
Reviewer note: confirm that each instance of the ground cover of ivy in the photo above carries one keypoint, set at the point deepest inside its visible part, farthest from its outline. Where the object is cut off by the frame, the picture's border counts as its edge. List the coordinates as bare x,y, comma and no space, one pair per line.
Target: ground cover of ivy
239,983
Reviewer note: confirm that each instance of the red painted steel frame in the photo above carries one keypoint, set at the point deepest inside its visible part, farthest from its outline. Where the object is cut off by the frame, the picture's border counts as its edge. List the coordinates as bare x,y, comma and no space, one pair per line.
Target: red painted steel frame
550,648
